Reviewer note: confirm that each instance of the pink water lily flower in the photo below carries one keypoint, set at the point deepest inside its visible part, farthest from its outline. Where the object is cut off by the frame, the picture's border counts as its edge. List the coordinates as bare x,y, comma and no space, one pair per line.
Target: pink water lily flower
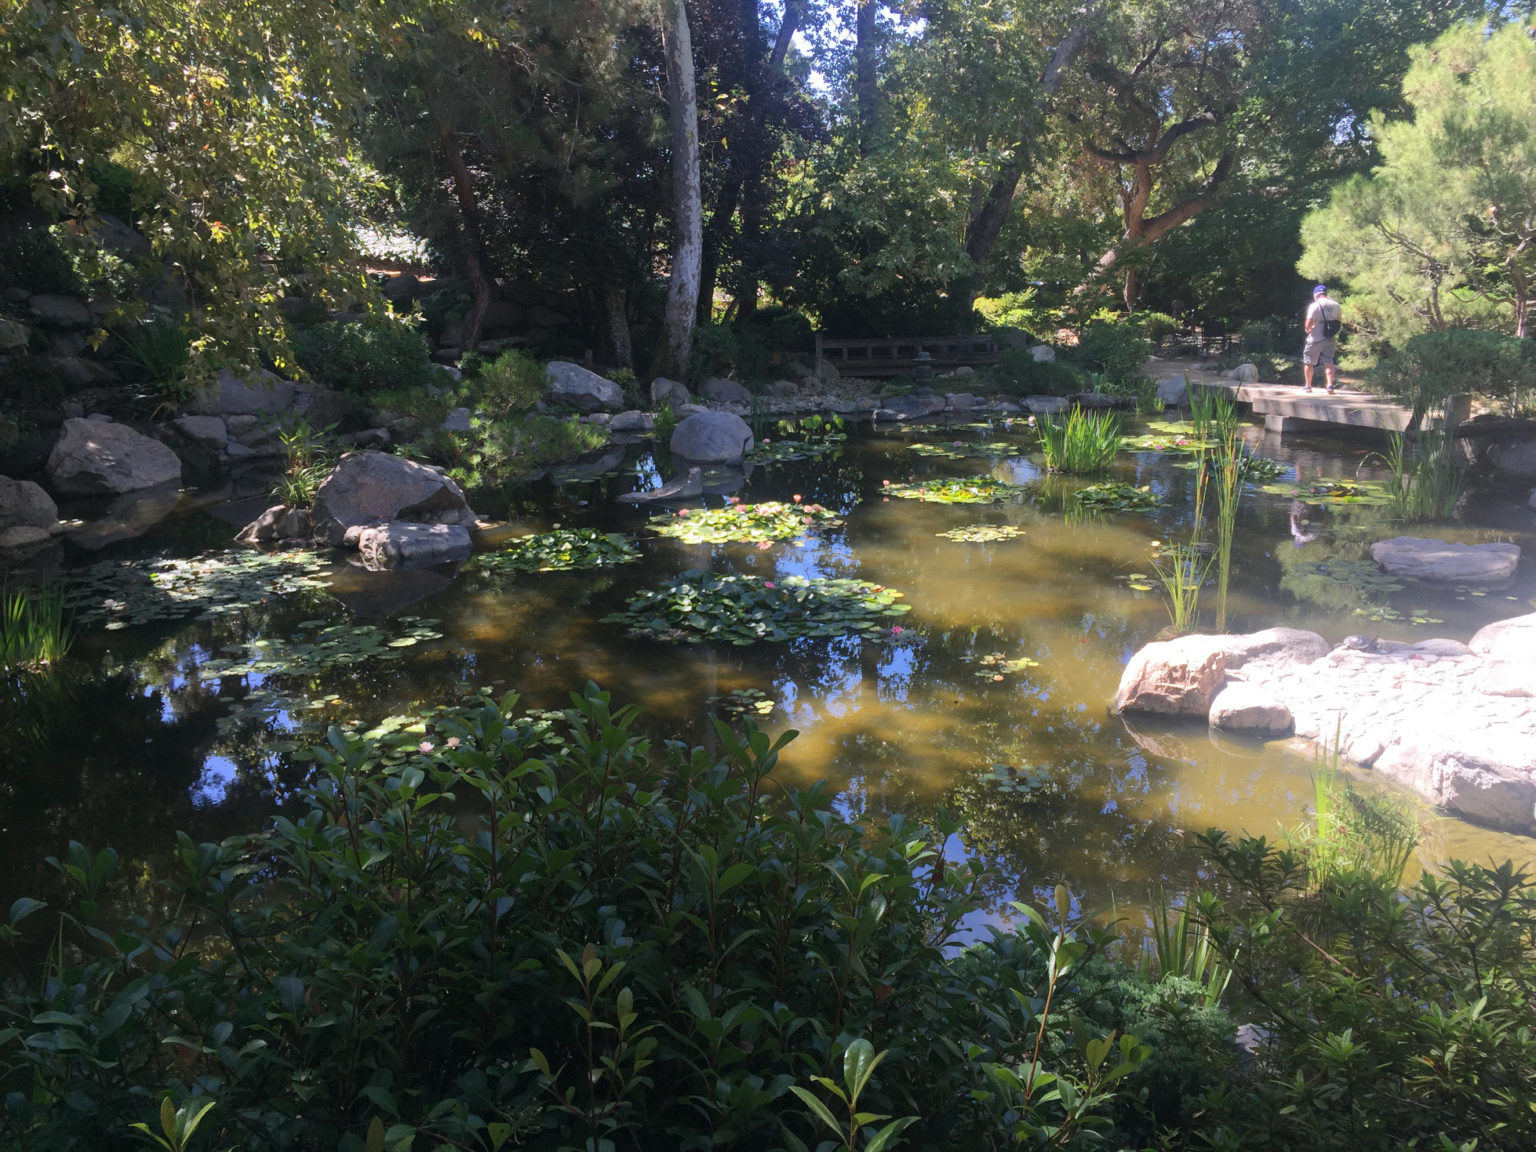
453,741
767,583
762,544
424,747
897,630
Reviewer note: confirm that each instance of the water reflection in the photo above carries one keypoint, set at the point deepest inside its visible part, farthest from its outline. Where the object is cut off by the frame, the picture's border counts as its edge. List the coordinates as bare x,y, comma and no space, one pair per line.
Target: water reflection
910,720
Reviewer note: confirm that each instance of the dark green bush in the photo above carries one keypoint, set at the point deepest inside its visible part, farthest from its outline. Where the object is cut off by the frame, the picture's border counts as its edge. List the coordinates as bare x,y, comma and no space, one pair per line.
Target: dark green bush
715,351
1433,366
157,352
1154,325
1119,349
372,354
32,258
1016,373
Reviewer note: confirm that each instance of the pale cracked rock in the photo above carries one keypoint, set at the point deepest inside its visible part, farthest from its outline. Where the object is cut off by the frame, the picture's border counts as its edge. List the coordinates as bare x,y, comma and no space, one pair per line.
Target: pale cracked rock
1447,562
1241,707
1174,677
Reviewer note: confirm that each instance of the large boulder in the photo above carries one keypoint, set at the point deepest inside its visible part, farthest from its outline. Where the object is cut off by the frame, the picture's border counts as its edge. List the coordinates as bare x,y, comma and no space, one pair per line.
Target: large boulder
13,335
1274,645
279,522
92,458
1447,562
576,387
1173,390
1246,374
253,394
1042,354
397,544
669,393
370,487
1508,649
24,504
712,438
719,390
634,422
914,407
1516,458
209,431
1178,677
60,311
1046,405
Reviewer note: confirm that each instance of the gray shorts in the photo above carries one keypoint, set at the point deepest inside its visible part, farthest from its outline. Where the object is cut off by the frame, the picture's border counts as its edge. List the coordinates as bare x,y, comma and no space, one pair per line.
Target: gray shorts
1319,352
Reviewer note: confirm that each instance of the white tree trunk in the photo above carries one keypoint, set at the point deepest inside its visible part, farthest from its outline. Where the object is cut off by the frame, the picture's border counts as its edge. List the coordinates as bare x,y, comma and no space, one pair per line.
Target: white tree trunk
687,195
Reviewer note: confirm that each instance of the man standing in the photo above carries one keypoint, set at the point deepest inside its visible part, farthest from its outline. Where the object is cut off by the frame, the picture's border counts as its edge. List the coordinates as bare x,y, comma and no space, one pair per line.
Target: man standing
1322,325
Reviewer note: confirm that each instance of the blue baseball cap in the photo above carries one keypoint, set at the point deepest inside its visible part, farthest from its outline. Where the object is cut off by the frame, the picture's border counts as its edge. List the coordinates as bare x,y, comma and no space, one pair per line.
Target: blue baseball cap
1321,289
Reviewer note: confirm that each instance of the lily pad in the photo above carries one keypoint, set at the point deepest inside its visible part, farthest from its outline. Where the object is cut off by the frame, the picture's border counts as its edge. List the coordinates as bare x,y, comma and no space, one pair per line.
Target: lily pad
1025,780
563,550
782,451
122,593
956,490
739,702
998,666
1115,496
747,523
982,533
966,449
1334,492
705,606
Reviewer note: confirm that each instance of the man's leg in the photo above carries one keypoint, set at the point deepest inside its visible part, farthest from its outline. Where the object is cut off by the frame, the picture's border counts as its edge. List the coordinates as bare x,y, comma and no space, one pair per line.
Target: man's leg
1306,368
1330,369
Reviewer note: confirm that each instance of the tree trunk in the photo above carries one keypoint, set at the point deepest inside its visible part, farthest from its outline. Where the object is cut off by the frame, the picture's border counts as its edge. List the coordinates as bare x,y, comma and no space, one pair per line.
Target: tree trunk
687,196
866,86
620,352
469,224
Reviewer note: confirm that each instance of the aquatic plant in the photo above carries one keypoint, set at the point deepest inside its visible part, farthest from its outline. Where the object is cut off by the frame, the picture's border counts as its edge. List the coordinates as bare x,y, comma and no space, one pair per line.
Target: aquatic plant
120,593
1117,497
36,628
745,523
1083,442
562,550
806,439
982,533
307,464
1260,469
955,490
741,702
1226,468
705,606
1168,436
1334,492
1426,481
998,665
1212,414
965,449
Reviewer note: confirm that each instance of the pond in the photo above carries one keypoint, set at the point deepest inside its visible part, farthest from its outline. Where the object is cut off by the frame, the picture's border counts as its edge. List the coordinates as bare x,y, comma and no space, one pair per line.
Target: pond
988,699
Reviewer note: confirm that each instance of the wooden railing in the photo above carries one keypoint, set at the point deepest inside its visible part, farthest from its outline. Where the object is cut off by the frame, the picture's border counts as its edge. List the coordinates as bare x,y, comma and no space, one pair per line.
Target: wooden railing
899,357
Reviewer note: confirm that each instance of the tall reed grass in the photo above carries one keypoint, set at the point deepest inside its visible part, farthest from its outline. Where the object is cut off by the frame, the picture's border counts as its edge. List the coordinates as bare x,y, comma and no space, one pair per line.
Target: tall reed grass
1083,442
1226,465
1212,414
1180,944
35,629
1352,833
1426,482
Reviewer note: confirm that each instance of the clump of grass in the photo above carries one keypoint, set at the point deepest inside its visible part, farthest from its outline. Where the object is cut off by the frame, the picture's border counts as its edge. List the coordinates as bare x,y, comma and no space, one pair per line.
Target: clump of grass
1181,945
1083,442
1212,414
1226,467
1426,483
1352,834
308,463
35,630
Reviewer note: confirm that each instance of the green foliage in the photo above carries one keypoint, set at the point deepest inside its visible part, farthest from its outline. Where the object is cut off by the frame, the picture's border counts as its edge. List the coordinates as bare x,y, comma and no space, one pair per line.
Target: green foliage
1083,442
510,384
36,629
715,351
804,439
954,490
744,523
562,550
981,533
1117,348
31,257
369,355
1155,326
696,607
494,452
159,353
1427,480
122,593
1017,373
307,463
1431,367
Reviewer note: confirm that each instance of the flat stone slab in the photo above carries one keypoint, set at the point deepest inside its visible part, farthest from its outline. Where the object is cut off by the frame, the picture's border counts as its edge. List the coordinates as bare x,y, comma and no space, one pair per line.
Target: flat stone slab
1447,562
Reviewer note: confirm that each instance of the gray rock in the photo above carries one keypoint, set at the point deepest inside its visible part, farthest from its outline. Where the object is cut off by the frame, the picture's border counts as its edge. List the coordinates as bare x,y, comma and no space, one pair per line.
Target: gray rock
127,517
588,467
108,232
240,425
24,504
719,390
256,393
1452,649
1241,707
367,487
712,438
279,522
209,430
576,387
632,421
94,459
684,487
915,407
1506,639
669,393
459,420
960,401
1246,373
1173,390
1042,354
60,311
1516,458
1177,677
238,451
13,334
1445,562
601,419
783,389
398,544
1046,405
101,418
827,372
1274,645
22,537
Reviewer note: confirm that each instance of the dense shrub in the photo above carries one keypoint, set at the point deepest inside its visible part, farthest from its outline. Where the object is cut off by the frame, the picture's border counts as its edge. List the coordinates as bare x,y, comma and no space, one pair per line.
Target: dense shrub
371,354
1017,373
1155,326
32,258
1116,348
511,383
1433,366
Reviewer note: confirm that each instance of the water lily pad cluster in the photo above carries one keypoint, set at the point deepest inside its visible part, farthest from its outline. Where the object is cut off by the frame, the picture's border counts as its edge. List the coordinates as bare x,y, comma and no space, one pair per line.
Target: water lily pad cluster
1334,492
1116,496
744,523
965,449
998,666
1260,469
740,702
782,451
981,533
276,661
1138,581
695,607
119,594
1168,436
1360,574
563,550
956,490
1412,616
1025,780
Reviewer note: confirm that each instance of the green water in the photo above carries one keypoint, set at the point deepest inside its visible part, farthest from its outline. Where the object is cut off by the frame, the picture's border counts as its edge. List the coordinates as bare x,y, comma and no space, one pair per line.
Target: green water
126,744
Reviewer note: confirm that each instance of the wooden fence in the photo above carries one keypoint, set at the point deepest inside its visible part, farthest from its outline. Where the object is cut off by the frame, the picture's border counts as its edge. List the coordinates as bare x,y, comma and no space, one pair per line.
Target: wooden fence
899,357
